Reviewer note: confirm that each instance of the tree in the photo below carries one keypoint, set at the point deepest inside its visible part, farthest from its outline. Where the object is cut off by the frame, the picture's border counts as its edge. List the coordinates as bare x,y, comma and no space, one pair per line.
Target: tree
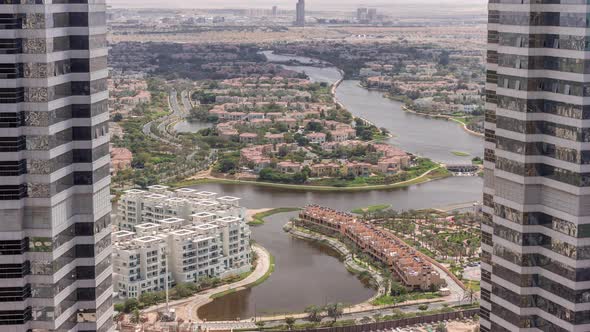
377,317
314,126
301,140
444,58
398,289
182,290
423,307
117,117
441,328
314,313
365,320
130,305
469,294
135,316
260,324
299,178
290,321
225,164
335,310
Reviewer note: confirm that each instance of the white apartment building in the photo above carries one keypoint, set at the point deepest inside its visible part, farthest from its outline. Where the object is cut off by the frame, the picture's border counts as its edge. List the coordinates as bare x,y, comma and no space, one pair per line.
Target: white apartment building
212,242
159,203
139,264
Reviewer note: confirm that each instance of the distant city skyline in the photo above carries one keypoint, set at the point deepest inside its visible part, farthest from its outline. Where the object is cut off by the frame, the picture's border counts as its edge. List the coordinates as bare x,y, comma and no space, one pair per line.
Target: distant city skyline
285,4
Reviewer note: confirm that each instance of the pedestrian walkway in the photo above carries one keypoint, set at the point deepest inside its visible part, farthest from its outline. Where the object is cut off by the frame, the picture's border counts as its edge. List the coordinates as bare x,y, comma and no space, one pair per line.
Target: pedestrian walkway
186,309
226,326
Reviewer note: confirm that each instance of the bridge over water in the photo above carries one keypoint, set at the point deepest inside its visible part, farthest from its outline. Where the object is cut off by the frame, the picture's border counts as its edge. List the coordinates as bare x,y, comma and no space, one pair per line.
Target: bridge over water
462,168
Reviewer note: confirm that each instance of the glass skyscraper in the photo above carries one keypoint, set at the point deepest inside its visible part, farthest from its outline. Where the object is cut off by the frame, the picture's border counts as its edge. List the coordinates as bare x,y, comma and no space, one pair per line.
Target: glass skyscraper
536,233
55,264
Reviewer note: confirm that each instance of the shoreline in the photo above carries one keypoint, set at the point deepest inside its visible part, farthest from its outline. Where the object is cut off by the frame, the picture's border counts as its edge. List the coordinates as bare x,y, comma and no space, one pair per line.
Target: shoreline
434,116
208,180
188,307
442,116
353,267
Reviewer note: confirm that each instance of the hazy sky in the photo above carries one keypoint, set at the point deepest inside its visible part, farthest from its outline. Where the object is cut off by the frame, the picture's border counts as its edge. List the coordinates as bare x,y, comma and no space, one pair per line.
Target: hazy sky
287,4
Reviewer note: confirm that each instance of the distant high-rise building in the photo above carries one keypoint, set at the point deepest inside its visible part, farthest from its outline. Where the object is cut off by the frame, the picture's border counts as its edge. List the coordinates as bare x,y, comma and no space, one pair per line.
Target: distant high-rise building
275,10
55,205
300,13
372,15
362,14
536,227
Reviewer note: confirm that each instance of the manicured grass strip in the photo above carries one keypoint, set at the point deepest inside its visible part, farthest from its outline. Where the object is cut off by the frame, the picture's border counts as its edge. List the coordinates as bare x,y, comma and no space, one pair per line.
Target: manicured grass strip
460,154
460,119
392,300
260,280
258,219
435,173
224,293
473,285
372,208
266,275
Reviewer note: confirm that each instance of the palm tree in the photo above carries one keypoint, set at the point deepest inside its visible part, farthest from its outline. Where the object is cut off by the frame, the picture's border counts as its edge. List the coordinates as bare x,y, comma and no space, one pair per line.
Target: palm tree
314,313
290,321
469,294
135,316
260,325
335,310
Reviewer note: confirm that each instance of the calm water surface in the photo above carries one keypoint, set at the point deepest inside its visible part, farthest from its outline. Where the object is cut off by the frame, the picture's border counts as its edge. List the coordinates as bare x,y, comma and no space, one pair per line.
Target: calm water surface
432,138
309,274
306,273
438,193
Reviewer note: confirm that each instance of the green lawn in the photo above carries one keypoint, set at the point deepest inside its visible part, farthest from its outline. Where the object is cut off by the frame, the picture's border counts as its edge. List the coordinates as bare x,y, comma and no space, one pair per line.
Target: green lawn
436,173
253,284
460,153
461,119
372,208
392,300
473,285
258,219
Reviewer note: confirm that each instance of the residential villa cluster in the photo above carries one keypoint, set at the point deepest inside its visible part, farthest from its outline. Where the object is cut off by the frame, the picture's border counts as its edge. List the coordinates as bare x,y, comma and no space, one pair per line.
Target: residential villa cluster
435,94
126,93
197,234
276,118
435,80
407,264
391,159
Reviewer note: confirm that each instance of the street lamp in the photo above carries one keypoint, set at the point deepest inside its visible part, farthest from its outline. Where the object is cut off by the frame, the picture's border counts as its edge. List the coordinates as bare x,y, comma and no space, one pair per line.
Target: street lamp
166,282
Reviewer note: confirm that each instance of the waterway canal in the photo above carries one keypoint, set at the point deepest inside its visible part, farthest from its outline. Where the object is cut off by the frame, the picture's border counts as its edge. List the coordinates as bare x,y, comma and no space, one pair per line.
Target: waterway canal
307,273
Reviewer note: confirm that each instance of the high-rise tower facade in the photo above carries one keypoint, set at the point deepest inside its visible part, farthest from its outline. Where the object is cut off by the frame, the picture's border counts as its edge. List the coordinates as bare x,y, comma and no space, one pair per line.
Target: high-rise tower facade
300,13
536,229
55,244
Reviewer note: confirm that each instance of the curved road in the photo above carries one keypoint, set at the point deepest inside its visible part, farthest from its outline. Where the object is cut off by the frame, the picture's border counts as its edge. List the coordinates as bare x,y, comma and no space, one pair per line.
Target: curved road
175,112
187,308
261,269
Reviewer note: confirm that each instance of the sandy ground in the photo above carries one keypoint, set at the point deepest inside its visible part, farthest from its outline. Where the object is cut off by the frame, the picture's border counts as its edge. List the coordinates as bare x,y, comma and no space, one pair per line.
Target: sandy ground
472,273
451,327
251,212
461,326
